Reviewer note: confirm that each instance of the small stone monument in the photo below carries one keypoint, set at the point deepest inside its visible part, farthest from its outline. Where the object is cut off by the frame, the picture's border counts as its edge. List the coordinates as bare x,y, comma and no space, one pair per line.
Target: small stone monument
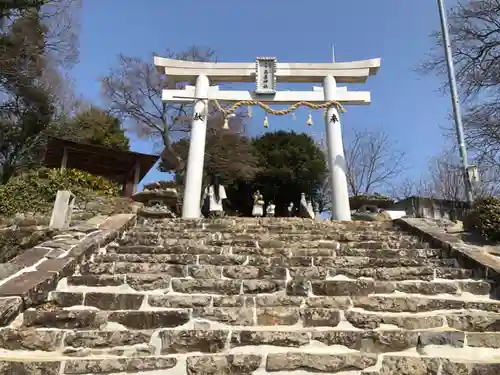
63,209
290,209
161,200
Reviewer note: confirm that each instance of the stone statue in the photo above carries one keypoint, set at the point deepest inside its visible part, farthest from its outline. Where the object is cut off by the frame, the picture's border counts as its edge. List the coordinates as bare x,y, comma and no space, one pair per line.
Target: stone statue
310,209
316,211
258,204
213,198
303,198
305,207
270,209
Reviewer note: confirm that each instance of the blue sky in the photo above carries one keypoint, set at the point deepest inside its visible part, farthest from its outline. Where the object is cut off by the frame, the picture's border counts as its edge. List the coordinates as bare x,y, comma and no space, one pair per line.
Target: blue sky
405,104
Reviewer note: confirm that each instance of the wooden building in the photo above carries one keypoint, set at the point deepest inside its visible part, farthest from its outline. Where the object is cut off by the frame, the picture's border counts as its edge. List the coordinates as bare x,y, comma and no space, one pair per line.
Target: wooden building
126,168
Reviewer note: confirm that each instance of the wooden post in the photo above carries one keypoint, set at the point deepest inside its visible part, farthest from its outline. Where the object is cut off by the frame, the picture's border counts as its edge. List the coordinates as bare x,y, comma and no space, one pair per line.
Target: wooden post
128,190
137,174
64,160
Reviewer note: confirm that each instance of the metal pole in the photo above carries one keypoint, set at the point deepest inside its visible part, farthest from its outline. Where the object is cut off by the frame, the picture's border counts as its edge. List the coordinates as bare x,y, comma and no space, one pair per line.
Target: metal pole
455,100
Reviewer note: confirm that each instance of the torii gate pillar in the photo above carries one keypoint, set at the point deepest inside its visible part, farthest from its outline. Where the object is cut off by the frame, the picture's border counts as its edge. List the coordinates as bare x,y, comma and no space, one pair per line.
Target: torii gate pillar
194,173
340,209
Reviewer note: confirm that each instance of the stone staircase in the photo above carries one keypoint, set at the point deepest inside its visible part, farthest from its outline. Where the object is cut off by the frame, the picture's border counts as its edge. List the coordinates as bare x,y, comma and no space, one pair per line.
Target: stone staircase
242,296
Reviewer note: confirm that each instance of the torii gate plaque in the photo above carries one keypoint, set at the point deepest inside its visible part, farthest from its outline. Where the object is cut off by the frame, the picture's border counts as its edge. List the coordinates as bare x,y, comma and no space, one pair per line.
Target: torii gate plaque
329,74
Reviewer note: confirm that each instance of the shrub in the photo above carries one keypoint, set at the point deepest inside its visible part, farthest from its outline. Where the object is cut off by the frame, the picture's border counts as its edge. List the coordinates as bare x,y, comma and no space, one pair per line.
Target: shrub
484,218
35,190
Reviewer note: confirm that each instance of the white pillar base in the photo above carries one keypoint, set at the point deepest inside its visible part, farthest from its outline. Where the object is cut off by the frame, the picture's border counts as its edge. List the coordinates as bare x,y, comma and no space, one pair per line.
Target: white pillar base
191,207
336,158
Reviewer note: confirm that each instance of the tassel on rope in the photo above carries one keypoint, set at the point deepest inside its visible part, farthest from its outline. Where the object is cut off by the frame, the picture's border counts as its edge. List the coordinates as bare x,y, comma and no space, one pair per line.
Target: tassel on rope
249,111
309,120
324,115
294,116
266,122
226,123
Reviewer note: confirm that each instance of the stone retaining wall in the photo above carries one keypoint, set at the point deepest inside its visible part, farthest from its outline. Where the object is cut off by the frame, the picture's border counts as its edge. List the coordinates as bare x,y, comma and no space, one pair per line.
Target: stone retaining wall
482,259
27,279
20,233
25,230
105,206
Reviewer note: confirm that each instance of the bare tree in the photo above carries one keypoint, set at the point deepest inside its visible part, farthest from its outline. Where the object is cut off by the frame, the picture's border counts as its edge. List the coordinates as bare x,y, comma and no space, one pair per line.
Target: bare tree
372,161
55,27
444,179
475,37
483,136
33,55
323,196
61,19
133,91
8,8
407,188
60,27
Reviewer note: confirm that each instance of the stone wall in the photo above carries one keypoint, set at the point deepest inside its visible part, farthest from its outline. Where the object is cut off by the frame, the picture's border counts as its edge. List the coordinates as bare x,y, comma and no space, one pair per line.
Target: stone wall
26,230
103,206
483,259
27,279
21,233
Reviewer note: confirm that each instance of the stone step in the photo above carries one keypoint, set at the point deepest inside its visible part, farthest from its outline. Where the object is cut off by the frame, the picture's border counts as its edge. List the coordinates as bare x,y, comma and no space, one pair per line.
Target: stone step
287,224
210,293
269,252
462,320
180,341
264,261
464,361
291,361
338,299
168,271
72,366
272,243
340,236
405,273
432,315
284,224
388,253
98,298
424,272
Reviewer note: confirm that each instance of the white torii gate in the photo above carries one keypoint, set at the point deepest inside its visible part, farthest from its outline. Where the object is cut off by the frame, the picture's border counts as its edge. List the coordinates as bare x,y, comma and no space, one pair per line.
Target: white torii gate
266,72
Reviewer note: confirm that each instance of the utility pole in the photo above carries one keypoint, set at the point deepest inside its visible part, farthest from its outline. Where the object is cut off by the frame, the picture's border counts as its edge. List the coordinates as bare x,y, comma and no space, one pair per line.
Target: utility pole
455,100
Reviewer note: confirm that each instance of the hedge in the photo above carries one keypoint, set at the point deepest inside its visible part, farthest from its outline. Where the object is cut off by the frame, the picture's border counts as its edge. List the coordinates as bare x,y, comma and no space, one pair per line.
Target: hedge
484,218
35,190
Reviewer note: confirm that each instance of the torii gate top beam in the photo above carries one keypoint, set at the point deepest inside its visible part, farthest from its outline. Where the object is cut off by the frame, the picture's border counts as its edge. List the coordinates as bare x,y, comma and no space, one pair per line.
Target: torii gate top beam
344,72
